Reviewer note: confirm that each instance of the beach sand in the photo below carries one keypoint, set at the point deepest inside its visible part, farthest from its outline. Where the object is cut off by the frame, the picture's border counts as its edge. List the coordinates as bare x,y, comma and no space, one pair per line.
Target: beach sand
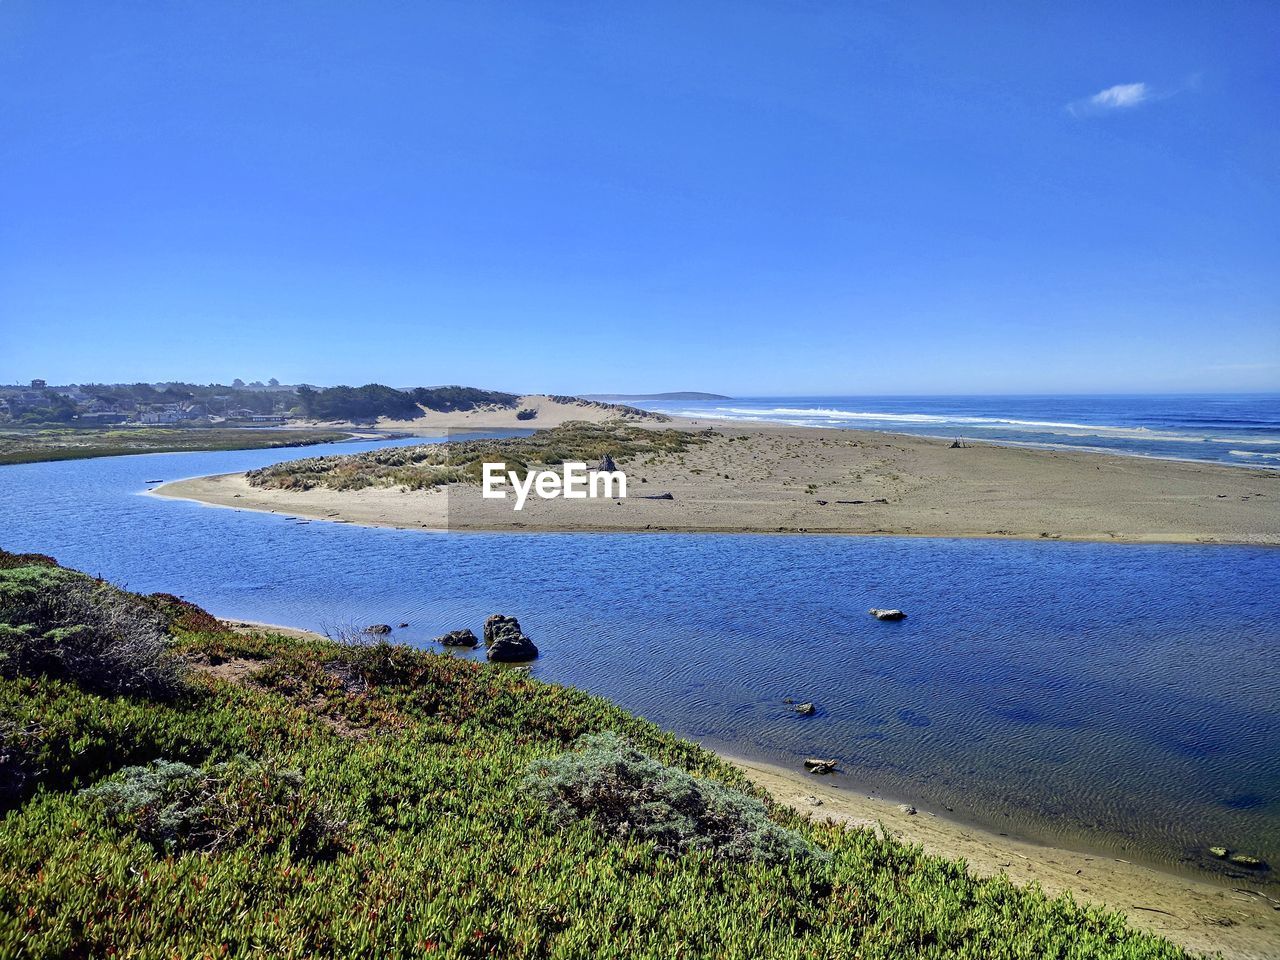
774,480
1199,914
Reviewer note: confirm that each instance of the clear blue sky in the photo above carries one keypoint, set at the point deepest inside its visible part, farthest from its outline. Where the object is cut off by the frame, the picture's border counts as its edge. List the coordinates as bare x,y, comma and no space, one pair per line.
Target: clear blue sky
751,198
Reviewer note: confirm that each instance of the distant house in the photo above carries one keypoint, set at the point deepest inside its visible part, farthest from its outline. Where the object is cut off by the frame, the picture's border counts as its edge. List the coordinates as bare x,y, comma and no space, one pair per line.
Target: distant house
39,385
159,416
101,417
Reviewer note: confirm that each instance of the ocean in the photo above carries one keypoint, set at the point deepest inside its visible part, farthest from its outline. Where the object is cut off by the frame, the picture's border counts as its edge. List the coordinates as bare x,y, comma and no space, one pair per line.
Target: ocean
1240,429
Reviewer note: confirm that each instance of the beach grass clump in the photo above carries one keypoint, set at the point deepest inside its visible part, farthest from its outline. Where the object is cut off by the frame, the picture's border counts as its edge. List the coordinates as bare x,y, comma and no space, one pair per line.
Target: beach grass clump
432,465
180,808
304,798
629,795
62,623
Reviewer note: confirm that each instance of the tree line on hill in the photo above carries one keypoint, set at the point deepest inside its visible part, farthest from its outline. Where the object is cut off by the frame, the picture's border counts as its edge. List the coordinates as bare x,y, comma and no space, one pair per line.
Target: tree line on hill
373,400
88,404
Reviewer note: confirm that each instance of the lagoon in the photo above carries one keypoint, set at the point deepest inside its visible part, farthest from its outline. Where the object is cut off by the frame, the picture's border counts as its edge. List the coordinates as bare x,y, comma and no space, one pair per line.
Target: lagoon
1118,697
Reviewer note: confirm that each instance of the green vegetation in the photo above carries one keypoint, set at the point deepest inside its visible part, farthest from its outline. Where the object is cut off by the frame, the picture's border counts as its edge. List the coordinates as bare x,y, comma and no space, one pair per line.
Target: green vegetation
54,411
176,807
373,400
31,446
431,465
628,794
300,798
63,624
258,398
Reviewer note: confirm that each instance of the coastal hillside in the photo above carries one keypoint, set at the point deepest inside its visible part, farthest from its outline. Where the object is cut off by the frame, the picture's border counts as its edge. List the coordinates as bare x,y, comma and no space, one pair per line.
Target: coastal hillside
419,409
101,420
176,788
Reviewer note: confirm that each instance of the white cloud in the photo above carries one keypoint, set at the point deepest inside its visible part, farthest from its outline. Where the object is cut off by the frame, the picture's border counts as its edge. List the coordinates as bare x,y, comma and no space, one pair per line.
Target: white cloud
1121,95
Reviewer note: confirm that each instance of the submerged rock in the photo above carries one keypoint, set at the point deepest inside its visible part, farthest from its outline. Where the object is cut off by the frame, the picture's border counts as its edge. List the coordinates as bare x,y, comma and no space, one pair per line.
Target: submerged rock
378,629
459,638
1250,863
887,614
506,641
818,765
1219,852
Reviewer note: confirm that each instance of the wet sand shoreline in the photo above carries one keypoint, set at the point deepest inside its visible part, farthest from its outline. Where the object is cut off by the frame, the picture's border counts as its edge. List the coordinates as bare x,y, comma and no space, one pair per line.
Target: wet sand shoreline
1200,914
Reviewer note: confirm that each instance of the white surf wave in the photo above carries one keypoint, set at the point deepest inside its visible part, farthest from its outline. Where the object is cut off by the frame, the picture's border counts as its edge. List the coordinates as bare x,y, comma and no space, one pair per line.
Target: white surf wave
801,416
1254,453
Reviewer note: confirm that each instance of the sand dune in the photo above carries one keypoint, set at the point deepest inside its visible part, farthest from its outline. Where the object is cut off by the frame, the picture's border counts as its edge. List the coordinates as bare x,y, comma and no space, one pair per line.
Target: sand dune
548,412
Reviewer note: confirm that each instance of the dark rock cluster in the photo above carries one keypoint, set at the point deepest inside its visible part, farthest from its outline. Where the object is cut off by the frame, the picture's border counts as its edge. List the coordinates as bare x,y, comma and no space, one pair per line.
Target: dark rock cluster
459,638
505,640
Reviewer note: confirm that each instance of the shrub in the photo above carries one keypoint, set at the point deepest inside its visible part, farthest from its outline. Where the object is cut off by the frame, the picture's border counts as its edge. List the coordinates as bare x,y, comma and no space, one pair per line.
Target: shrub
180,808
183,614
430,465
627,793
9,561
528,413
61,623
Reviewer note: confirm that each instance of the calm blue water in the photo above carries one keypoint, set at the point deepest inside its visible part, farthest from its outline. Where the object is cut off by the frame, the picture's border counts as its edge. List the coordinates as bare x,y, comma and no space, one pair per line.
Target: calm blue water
1121,697
1233,428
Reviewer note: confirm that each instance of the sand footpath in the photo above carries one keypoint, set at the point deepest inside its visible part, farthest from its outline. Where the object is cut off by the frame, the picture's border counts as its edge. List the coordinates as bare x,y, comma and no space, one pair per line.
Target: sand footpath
1199,914
768,479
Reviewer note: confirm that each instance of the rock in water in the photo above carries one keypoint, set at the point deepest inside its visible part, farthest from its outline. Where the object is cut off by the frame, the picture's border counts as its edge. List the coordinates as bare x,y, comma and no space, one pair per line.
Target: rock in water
1248,862
817,765
1219,852
498,625
379,629
887,614
506,641
805,708
459,638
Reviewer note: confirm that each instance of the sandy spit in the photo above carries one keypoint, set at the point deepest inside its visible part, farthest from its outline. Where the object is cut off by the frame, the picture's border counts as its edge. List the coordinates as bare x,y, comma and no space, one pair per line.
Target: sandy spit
802,480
